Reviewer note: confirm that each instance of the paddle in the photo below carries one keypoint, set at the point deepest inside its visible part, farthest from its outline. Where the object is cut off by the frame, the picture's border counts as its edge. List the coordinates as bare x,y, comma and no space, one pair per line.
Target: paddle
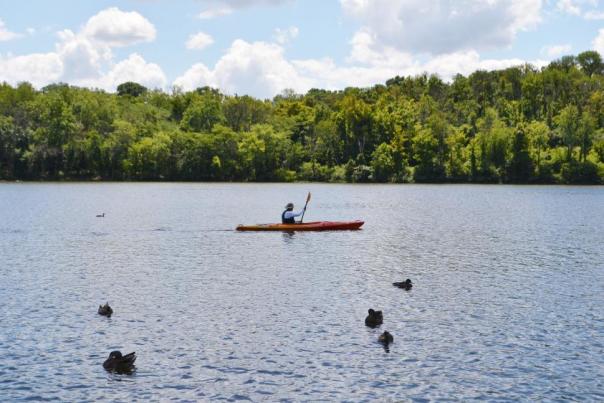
304,211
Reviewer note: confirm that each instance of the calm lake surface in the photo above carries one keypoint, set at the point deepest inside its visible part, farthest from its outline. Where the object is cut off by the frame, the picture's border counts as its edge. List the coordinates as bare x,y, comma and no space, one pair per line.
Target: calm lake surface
507,303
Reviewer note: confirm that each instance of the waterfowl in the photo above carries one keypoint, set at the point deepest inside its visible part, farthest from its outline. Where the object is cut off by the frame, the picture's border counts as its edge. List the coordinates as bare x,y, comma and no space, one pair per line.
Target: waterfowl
120,363
386,338
405,285
105,310
101,215
375,318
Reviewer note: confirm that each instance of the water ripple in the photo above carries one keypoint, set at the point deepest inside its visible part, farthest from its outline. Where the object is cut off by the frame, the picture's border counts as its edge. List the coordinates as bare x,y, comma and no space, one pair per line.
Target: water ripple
507,303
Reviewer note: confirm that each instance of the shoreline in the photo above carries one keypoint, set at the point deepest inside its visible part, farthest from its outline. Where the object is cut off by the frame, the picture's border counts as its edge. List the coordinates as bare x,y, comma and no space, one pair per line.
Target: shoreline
444,183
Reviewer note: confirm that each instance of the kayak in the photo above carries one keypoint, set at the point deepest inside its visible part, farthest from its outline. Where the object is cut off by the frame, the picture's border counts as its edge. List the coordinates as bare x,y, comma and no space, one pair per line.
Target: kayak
307,226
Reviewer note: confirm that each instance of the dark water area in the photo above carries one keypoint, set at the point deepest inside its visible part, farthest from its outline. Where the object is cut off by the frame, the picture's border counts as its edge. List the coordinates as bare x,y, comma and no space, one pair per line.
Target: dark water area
507,303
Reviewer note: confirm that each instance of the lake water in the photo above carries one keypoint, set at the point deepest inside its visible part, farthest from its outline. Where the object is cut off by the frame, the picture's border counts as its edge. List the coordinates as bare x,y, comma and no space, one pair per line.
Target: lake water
507,303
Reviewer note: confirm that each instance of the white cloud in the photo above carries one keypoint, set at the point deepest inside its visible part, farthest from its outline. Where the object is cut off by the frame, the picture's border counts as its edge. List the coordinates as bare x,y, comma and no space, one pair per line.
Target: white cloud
569,7
379,50
197,75
366,51
577,7
215,12
199,41
283,36
326,74
257,68
85,58
134,68
250,3
5,34
82,59
444,26
598,42
594,15
556,50
219,8
119,28
262,70
37,68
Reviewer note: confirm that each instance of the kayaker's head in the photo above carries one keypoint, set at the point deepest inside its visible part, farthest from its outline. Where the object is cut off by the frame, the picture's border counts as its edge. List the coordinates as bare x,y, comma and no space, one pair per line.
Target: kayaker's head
289,206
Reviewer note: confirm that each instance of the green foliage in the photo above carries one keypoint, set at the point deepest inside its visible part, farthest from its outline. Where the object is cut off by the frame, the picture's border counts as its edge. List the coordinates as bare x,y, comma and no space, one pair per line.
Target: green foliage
131,88
568,128
203,112
312,171
580,172
520,166
590,62
382,162
518,125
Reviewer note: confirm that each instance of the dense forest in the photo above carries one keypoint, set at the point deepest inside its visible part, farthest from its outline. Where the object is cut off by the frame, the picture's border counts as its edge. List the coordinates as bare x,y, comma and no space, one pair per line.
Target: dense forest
518,125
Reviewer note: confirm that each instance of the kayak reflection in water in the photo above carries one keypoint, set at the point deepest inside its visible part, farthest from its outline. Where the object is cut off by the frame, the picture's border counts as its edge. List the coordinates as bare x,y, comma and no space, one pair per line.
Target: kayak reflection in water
288,216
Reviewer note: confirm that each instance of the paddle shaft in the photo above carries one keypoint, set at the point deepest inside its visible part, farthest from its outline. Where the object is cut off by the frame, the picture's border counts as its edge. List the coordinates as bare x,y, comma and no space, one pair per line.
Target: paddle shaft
304,211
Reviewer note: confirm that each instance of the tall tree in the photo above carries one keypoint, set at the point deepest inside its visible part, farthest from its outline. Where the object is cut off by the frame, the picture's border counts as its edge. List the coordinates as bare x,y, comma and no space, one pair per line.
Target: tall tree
568,128
590,62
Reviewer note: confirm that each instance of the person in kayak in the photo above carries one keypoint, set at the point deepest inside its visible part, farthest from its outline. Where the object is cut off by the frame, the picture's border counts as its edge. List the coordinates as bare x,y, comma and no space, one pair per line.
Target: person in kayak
287,217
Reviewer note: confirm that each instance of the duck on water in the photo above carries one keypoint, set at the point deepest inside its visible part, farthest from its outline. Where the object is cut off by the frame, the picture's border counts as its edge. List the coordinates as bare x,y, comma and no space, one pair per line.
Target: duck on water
405,285
122,364
374,318
105,310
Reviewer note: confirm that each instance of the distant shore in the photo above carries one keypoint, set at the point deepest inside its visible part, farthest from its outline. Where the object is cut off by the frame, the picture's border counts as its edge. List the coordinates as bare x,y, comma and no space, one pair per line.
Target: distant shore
519,125
99,181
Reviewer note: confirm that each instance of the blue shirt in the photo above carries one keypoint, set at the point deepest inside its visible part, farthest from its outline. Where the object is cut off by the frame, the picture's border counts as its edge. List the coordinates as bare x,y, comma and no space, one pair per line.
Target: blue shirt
291,214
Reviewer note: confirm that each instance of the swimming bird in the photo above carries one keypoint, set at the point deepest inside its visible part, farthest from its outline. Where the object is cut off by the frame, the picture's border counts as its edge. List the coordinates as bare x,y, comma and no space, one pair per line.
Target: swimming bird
120,363
105,310
386,338
405,285
374,319
101,215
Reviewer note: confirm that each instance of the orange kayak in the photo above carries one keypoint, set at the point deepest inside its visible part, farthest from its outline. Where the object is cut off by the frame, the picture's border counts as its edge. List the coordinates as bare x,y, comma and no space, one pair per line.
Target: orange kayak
307,226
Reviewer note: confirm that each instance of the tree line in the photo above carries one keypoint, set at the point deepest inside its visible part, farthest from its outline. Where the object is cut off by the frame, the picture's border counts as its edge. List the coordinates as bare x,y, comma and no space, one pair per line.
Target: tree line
517,125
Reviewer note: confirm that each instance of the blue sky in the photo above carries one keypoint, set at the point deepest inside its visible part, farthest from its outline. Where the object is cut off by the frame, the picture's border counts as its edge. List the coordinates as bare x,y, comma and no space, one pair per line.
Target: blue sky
261,47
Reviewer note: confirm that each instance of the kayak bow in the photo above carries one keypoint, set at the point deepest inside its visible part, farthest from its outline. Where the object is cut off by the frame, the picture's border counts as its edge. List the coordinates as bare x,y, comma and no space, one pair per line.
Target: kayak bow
308,226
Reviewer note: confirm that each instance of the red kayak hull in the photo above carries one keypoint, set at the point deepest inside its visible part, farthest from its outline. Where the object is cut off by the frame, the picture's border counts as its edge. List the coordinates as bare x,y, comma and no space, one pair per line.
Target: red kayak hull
307,226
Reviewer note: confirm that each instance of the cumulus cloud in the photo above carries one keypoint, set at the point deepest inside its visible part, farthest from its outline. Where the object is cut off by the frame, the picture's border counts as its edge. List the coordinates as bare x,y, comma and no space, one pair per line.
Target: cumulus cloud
37,68
283,36
115,27
197,75
215,12
327,74
219,8
366,50
598,42
569,7
250,3
257,68
81,58
577,7
199,41
594,15
556,50
385,46
262,70
444,26
135,68
5,34
85,58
